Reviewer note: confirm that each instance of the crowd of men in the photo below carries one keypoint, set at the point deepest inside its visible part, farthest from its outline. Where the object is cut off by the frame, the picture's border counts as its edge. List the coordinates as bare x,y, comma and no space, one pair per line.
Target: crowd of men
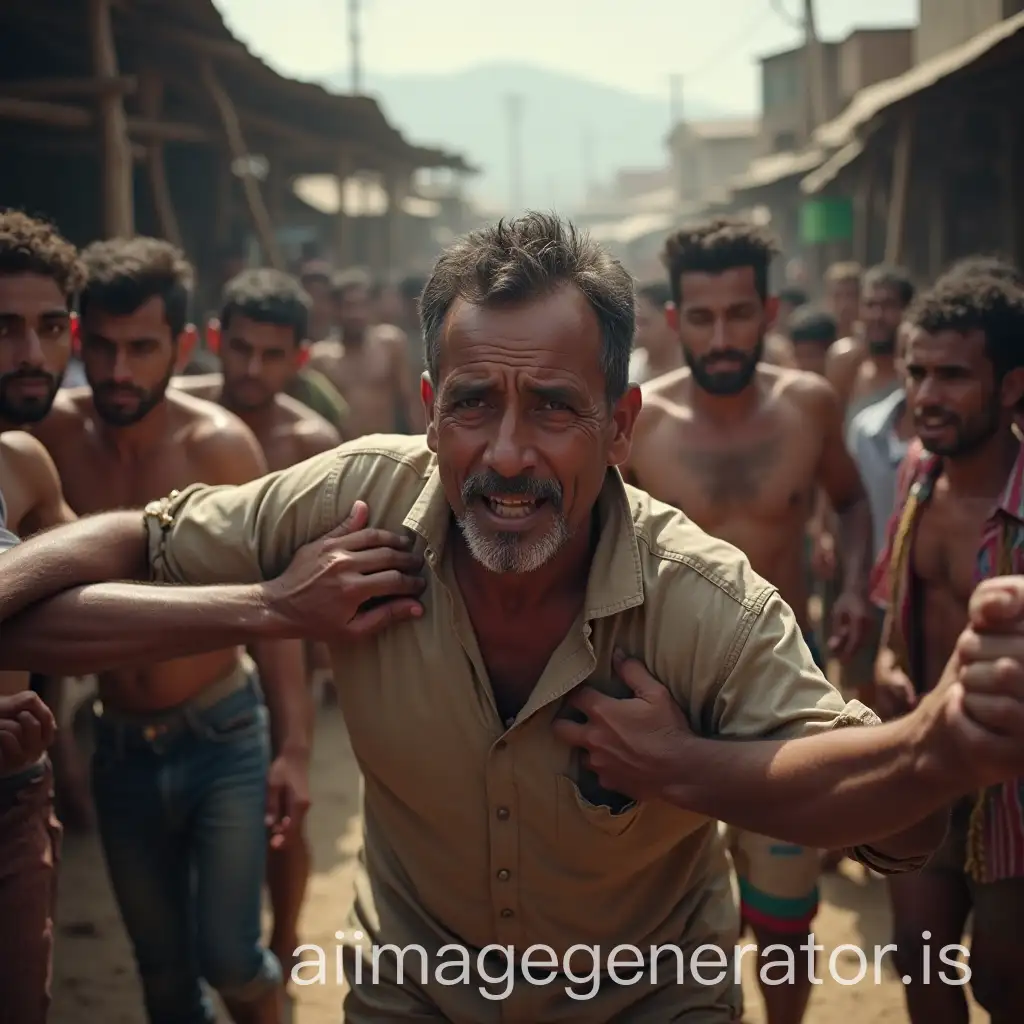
459,551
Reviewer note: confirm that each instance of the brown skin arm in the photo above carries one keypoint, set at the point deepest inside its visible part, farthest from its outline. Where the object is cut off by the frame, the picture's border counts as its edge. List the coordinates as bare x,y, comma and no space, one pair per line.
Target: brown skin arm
107,626
841,365
840,789
234,456
840,480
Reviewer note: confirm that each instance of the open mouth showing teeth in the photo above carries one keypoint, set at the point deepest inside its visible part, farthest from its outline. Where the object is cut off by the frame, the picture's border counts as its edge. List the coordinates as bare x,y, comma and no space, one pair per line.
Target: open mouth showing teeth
513,508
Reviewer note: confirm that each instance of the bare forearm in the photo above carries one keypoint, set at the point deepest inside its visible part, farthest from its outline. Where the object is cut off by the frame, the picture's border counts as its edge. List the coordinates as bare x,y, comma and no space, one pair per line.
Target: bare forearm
92,550
112,625
850,787
282,668
855,530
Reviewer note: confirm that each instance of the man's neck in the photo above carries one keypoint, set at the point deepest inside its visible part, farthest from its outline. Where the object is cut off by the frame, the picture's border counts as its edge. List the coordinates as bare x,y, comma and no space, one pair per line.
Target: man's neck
724,409
883,362
983,473
137,439
354,340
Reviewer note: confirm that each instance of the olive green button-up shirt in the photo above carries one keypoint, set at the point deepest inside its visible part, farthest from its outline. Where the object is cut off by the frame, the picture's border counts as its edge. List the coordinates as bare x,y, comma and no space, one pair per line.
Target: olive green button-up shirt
481,833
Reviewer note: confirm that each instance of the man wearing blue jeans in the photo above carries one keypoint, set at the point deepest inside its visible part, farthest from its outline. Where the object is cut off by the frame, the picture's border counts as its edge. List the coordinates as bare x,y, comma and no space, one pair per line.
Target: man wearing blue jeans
184,748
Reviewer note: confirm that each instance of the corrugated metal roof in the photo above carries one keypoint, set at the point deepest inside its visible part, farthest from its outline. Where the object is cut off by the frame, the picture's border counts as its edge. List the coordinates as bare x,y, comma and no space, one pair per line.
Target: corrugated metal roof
875,98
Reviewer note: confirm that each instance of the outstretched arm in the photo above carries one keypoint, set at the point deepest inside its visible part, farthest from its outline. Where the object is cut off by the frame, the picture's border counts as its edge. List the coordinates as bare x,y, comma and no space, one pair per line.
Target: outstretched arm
117,625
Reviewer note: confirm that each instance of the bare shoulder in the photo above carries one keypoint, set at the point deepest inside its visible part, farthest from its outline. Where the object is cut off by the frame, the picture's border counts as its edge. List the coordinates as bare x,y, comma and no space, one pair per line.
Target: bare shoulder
809,393
313,433
222,449
845,353
389,334
25,456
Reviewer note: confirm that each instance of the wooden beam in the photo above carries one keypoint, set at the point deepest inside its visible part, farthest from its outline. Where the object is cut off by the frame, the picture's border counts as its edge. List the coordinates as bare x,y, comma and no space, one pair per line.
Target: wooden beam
118,189
45,88
54,115
899,188
151,95
66,115
239,153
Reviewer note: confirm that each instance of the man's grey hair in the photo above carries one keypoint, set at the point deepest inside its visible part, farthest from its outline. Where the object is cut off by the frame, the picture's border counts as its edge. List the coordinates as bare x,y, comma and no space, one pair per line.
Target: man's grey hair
516,261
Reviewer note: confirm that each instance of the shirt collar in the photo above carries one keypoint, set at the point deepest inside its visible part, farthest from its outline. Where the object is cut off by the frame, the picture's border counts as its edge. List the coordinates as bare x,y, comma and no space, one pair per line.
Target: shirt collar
879,418
615,582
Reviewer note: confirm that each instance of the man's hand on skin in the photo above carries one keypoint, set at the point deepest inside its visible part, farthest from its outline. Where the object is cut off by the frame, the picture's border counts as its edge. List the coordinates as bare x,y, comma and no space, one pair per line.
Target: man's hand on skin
628,743
27,729
352,582
287,797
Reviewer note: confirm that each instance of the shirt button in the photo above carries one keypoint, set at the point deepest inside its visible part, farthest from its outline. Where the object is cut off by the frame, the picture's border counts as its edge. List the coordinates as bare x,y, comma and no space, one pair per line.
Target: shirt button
504,875
506,913
503,814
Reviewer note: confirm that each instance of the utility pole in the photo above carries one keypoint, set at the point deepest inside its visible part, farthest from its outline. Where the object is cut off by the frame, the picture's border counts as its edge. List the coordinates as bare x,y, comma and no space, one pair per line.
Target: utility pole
354,47
814,71
514,109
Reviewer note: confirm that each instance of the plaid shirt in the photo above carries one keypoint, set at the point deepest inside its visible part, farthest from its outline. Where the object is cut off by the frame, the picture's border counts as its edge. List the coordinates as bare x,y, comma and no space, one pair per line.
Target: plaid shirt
996,837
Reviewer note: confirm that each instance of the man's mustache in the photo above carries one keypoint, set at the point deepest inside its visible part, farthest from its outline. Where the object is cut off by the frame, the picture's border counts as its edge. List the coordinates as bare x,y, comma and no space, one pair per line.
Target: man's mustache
479,485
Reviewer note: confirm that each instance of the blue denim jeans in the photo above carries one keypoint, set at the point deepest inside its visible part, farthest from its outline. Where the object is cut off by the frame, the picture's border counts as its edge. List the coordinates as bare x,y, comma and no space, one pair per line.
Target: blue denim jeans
181,801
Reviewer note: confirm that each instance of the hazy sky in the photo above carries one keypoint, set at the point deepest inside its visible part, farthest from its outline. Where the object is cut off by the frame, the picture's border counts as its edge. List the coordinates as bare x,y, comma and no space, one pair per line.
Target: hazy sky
712,43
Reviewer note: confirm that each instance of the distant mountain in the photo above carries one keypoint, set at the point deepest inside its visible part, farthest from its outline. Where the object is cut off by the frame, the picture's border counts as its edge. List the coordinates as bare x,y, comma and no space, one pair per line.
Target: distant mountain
567,122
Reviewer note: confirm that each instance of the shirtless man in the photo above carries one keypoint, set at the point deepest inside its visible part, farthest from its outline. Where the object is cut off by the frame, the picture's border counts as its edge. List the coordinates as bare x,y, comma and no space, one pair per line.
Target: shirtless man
964,377
842,296
264,323
368,364
656,348
863,369
39,276
182,748
741,449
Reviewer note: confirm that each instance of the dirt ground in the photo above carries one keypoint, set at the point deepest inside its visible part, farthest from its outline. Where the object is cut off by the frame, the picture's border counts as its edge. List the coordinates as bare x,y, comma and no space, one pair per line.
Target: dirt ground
95,979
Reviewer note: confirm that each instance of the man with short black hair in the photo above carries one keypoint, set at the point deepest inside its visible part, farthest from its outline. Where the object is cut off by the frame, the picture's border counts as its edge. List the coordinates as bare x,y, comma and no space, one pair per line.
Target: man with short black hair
512,574
863,369
182,747
264,326
958,519
842,296
656,348
368,363
742,448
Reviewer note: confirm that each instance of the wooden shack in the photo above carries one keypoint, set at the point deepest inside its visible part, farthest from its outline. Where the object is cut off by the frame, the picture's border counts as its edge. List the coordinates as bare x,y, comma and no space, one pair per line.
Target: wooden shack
933,161
149,116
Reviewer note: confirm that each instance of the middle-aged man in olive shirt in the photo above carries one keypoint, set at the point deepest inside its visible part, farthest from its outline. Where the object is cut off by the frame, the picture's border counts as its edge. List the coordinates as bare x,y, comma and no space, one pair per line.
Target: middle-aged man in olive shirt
508,563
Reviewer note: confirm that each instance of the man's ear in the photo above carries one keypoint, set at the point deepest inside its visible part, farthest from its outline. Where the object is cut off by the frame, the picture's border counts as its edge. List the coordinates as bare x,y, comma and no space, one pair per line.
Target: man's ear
771,310
624,415
672,316
427,397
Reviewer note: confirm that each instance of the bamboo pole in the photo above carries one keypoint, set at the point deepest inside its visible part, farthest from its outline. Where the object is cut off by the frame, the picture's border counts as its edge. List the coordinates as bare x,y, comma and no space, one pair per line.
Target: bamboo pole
899,189
239,154
118,197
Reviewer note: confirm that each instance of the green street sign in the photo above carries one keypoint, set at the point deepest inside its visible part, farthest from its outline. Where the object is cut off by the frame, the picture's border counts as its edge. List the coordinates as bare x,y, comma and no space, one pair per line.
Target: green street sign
826,220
